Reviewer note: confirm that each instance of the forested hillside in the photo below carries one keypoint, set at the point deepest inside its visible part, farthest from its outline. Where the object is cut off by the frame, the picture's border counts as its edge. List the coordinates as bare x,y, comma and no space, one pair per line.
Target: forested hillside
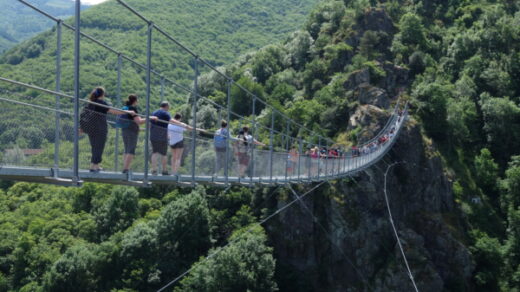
19,22
455,193
218,31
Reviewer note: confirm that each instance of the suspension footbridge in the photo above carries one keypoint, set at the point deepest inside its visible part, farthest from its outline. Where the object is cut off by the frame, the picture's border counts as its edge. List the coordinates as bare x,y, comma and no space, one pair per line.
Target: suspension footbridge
63,153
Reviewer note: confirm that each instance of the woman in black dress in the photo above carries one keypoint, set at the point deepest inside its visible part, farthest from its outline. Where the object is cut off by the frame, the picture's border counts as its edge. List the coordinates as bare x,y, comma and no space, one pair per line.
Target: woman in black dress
97,129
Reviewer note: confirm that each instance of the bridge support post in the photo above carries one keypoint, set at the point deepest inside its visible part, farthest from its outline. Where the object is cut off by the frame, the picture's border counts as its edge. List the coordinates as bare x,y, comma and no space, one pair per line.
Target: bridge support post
58,88
77,37
287,143
300,153
327,160
148,95
162,88
319,157
118,103
253,147
271,146
194,119
228,152
309,163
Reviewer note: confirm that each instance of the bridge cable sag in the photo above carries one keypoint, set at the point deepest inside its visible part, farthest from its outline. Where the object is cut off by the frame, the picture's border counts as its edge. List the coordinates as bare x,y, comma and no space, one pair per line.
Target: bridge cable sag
410,275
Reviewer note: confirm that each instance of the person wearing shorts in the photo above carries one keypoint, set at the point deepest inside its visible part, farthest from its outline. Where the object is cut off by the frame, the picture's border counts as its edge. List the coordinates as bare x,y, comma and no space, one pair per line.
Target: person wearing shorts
159,137
176,130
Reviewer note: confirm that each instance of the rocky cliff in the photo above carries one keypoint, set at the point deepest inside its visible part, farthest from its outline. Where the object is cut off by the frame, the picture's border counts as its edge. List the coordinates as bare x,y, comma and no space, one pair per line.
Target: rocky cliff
350,245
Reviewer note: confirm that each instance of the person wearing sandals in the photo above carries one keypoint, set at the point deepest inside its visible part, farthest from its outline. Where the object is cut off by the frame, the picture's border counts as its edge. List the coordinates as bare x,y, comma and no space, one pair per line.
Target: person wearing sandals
97,129
176,130
131,132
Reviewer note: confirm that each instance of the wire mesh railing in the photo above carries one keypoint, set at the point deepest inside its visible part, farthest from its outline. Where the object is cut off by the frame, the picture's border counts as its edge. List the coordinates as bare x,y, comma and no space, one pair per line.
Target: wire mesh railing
30,143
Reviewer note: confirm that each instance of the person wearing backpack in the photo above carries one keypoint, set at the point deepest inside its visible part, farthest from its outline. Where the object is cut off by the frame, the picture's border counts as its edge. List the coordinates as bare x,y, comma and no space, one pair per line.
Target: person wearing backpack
244,145
220,142
93,122
129,123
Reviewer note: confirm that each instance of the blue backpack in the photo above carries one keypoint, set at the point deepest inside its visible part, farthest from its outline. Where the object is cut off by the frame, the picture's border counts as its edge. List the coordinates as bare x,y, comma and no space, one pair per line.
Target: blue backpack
122,121
220,138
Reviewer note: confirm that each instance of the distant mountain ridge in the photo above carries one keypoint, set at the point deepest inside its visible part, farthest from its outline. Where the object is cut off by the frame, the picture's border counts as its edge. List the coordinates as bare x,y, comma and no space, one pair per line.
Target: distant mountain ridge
18,22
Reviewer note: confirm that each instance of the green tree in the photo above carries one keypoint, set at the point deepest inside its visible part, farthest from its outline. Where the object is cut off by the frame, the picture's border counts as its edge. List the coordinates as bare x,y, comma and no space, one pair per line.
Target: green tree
246,264
432,107
140,254
74,271
501,126
511,205
267,62
487,172
488,262
118,212
183,232
241,101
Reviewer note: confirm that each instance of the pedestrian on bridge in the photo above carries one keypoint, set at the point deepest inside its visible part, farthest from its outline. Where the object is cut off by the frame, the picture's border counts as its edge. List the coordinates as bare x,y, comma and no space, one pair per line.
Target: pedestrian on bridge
220,141
130,130
159,137
176,130
93,122
243,147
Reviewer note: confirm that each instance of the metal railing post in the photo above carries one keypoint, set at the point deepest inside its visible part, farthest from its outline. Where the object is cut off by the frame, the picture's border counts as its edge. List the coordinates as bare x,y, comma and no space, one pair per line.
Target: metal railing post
226,169
326,160
319,157
271,147
253,147
118,103
162,88
148,96
77,37
309,165
300,153
58,88
287,145
194,119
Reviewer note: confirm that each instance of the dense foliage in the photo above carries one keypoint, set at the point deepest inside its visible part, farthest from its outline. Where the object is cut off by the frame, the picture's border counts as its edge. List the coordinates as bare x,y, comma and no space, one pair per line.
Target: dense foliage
99,238
462,59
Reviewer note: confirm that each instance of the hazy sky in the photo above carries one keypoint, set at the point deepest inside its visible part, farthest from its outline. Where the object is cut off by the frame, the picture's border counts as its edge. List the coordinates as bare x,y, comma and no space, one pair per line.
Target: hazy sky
92,2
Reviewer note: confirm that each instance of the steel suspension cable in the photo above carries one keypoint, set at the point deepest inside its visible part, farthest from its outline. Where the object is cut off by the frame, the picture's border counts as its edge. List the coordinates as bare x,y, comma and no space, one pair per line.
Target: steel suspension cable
395,229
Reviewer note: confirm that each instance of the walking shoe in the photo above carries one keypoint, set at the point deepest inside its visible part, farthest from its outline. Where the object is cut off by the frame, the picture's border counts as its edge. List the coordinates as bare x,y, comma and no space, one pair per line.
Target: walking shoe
125,171
165,173
95,170
154,172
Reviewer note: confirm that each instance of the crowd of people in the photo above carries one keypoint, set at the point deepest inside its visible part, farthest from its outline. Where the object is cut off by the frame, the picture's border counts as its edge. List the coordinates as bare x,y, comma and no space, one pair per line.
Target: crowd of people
167,132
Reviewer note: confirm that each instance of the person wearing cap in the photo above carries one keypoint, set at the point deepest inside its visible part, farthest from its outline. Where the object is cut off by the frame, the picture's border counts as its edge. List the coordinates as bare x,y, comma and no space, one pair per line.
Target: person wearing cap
159,137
